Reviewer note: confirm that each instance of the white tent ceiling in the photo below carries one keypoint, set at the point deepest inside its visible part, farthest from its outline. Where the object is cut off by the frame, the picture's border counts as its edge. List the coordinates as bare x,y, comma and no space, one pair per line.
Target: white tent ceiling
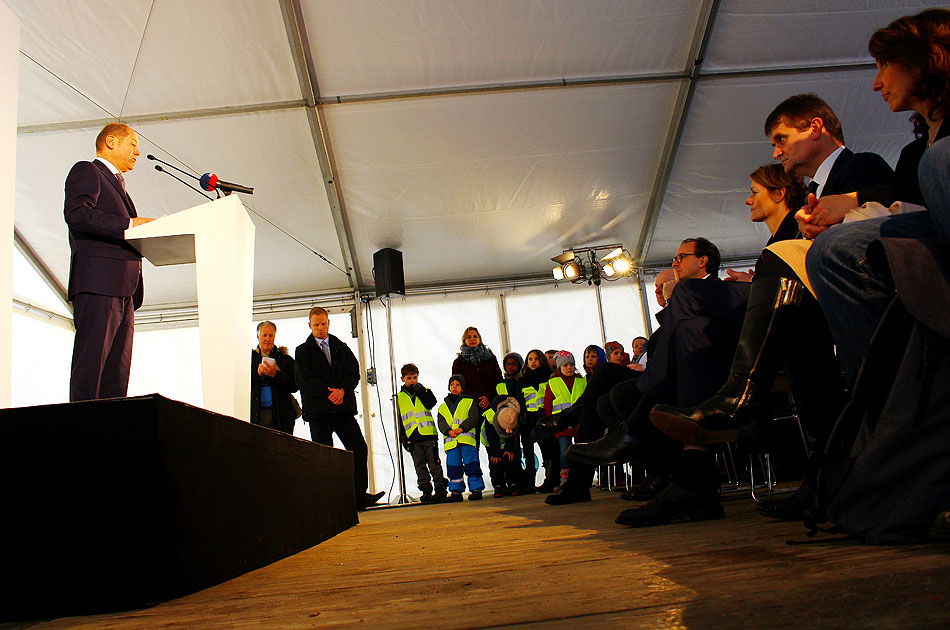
479,137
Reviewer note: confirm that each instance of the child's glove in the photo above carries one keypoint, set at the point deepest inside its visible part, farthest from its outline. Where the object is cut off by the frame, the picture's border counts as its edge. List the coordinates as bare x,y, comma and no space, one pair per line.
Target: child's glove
509,456
406,444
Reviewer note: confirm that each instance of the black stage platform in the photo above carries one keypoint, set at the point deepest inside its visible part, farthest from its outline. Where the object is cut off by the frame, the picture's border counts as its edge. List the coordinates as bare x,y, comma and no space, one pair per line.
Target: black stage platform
122,503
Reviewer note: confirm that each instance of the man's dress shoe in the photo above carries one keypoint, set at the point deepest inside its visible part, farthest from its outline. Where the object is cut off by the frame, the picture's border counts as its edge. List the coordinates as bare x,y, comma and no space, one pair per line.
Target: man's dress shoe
673,504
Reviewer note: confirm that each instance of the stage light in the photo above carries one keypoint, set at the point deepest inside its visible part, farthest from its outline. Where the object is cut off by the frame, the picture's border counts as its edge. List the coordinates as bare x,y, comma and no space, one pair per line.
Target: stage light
583,265
622,265
566,257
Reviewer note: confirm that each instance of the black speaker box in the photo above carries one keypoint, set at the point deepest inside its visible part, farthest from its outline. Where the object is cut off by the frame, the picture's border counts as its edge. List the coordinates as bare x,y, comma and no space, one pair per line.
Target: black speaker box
387,268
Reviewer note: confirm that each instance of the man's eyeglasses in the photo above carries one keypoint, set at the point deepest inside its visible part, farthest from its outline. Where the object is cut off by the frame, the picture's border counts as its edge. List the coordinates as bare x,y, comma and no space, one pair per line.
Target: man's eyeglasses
679,257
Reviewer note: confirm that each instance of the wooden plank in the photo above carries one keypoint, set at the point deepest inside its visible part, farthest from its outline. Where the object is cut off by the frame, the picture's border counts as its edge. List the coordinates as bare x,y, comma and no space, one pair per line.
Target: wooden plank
517,561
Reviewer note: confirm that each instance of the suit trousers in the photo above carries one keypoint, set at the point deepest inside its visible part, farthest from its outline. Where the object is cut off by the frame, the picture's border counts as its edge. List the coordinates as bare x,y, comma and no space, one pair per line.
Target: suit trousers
852,293
102,348
323,427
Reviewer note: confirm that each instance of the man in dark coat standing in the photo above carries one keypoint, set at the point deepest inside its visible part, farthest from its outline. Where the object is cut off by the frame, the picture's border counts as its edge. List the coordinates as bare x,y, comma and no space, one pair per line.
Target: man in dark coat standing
272,382
327,375
105,272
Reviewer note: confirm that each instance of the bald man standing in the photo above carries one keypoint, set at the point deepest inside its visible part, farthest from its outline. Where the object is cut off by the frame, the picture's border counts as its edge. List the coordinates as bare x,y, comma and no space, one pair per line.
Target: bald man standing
105,272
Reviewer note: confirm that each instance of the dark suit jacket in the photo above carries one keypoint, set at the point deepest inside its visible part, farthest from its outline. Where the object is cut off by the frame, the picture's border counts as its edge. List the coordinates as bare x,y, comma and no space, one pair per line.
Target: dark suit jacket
854,171
97,212
701,323
315,375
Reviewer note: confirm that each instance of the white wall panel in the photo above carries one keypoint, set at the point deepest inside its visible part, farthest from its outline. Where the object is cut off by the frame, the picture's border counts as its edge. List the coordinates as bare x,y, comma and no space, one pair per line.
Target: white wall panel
42,354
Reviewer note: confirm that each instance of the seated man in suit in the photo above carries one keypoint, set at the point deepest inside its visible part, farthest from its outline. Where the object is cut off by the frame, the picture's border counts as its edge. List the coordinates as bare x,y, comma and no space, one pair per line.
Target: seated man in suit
780,317
105,272
689,355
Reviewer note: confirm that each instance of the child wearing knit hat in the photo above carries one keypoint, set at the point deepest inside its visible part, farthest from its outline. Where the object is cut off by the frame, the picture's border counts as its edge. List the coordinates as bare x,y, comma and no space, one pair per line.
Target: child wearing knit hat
458,422
563,391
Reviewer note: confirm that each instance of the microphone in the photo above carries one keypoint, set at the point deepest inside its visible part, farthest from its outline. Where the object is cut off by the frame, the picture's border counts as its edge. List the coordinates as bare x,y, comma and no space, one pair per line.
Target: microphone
152,157
210,181
161,170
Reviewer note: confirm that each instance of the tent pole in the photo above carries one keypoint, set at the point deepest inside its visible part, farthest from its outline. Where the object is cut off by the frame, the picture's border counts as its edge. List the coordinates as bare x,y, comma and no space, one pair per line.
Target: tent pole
402,498
600,316
364,392
502,305
644,307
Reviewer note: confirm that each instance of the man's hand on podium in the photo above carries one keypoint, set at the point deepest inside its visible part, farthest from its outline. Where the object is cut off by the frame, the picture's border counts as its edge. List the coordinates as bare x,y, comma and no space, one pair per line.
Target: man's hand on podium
140,221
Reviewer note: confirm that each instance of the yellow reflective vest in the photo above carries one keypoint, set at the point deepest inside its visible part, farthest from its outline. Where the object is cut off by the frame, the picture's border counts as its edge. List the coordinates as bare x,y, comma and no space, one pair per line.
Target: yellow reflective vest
414,415
460,416
489,415
534,397
564,397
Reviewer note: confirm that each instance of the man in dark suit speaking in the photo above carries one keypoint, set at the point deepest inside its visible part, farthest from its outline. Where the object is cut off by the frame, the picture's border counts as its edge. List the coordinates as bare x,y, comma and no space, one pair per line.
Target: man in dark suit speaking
105,272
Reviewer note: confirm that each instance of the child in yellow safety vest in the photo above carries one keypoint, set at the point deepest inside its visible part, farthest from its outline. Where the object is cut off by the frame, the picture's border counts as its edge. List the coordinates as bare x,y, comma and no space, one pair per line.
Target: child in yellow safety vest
458,422
418,435
563,391
533,381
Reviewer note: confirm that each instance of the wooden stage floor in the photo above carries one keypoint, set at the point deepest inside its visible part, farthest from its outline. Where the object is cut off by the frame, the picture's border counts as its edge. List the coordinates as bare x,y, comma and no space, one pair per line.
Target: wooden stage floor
517,562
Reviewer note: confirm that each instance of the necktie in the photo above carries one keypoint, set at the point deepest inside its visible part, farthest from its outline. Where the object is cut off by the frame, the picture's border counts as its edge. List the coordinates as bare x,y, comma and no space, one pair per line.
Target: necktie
326,349
121,179
813,187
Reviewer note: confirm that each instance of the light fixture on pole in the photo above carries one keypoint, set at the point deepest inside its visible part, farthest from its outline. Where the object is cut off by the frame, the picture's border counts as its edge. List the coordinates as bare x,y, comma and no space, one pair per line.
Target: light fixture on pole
582,264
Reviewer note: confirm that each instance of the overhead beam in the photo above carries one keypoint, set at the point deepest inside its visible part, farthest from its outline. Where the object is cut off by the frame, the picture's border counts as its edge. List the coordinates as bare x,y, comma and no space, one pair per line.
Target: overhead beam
316,118
229,110
43,314
707,15
786,70
511,86
253,108
40,267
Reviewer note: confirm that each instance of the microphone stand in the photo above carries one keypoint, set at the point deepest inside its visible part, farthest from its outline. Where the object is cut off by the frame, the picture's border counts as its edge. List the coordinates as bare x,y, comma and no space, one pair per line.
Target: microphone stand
170,174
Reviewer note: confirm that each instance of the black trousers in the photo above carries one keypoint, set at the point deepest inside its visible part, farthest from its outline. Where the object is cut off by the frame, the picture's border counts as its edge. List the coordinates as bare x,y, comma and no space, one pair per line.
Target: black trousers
323,427
102,348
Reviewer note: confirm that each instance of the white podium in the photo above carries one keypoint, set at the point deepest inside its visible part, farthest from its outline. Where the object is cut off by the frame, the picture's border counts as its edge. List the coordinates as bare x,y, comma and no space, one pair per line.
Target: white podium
219,237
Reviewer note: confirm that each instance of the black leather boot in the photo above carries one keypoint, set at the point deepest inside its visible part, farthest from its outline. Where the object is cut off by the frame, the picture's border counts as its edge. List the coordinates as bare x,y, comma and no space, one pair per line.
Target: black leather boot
557,422
745,396
616,447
